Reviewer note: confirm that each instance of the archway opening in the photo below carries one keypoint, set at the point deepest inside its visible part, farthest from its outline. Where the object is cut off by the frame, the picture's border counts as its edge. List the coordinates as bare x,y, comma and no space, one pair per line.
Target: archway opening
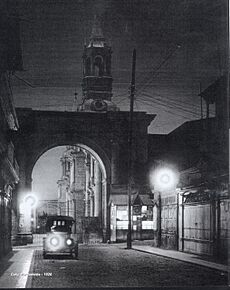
71,180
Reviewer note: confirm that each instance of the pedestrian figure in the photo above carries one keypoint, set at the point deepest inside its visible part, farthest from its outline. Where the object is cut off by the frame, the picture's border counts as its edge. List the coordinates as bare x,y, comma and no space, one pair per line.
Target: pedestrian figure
86,236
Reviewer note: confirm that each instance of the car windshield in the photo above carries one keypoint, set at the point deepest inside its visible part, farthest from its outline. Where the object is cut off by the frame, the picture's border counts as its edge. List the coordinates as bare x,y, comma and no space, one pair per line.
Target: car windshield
60,226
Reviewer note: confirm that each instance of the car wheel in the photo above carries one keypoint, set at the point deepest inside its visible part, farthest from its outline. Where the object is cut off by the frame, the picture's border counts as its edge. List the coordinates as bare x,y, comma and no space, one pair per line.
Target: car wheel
75,256
76,253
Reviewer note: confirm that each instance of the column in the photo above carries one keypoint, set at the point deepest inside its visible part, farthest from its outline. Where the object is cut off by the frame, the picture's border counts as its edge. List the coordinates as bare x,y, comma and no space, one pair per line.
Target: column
92,164
75,216
79,189
104,218
63,165
87,184
92,204
80,181
97,192
115,163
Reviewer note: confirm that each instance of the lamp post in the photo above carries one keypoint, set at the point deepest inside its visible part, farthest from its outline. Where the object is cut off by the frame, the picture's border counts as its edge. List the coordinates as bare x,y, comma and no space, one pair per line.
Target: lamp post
163,179
29,202
130,157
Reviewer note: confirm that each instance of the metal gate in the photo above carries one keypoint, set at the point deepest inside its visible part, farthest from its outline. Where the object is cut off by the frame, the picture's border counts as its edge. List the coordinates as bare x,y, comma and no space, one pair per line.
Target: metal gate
169,222
198,223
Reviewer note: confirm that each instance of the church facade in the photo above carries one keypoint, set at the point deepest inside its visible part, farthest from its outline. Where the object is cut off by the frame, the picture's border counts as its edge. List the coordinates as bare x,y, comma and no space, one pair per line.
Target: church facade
81,191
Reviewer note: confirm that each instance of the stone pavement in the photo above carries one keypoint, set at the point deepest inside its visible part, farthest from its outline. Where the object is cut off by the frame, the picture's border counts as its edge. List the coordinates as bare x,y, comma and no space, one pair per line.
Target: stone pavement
185,257
14,267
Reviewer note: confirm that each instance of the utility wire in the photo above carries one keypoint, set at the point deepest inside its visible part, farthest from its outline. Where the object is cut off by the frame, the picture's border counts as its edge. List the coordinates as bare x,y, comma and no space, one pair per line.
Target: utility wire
192,106
174,108
152,103
164,110
173,105
136,105
156,71
26,82
176,104
122,100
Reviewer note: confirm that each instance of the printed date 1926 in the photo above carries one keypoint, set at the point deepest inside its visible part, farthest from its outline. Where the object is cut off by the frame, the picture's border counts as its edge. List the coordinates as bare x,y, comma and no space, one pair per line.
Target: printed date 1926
48,274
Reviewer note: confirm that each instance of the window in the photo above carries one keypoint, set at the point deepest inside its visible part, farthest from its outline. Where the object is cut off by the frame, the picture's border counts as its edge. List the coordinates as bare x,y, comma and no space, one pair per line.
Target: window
98,66
122,213
122,217
122,225
144,209
68,166
147,225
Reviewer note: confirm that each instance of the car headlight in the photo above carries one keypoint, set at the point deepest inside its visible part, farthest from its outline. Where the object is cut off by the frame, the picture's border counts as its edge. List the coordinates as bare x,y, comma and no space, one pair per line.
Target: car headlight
69,242
54,241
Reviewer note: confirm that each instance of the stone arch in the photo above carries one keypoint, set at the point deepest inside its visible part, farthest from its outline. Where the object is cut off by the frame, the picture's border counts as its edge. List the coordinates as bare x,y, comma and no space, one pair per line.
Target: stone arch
36,149
61,140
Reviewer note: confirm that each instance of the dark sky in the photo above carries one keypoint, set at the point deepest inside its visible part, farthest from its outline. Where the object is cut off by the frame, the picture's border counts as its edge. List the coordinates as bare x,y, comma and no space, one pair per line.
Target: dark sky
167,79
46,172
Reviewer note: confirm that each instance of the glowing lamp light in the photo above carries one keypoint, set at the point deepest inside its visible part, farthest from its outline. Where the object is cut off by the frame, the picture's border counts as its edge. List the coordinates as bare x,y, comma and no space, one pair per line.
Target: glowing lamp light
164,179
30,200
54,242
69,242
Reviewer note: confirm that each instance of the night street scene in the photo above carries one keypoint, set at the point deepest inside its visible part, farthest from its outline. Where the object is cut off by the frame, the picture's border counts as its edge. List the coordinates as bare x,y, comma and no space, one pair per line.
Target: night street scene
114,144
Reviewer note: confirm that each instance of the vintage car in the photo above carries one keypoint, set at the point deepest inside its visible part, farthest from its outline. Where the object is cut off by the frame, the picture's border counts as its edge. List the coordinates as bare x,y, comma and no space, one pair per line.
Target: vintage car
58,238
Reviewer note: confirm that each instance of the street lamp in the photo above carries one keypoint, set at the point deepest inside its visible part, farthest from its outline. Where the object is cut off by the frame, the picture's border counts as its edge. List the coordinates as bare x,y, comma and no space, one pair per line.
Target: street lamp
29,202
164,178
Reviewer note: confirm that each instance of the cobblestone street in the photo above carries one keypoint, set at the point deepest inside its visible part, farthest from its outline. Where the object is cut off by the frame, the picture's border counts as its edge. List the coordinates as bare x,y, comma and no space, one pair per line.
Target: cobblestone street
113,265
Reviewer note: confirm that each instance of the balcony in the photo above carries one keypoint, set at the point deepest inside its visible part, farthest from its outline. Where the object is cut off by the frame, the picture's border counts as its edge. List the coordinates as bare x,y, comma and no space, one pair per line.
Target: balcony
97,83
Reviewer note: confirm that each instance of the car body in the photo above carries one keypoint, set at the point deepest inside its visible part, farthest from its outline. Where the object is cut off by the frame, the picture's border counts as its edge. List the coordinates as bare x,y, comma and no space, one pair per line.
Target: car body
59,238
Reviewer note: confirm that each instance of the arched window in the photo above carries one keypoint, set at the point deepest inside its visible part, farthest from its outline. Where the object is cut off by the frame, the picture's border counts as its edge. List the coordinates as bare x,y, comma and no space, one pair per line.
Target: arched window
98,66
88,66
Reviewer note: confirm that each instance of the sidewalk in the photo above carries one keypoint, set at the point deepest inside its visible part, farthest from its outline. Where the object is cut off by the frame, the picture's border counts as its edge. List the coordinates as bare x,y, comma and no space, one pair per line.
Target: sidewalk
185,257
14,268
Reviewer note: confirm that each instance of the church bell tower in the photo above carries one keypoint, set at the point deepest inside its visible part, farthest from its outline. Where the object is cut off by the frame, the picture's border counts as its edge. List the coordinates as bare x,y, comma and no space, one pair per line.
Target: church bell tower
97,78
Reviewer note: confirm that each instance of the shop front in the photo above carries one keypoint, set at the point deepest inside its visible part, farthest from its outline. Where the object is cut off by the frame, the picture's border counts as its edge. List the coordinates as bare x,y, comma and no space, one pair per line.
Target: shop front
143,213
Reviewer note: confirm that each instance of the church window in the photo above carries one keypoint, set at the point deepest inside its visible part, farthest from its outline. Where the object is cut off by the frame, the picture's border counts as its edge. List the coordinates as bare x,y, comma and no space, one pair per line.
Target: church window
98,66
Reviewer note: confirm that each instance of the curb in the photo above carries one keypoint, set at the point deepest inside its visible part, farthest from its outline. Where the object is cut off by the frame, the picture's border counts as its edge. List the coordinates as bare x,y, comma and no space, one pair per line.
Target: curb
29,278
215,267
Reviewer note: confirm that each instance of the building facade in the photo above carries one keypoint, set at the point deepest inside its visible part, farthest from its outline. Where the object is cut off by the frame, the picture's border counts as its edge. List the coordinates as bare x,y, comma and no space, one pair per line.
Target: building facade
194,217
10,61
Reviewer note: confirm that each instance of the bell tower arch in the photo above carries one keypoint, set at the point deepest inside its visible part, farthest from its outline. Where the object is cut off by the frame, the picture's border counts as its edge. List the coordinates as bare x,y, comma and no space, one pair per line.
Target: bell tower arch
97,78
